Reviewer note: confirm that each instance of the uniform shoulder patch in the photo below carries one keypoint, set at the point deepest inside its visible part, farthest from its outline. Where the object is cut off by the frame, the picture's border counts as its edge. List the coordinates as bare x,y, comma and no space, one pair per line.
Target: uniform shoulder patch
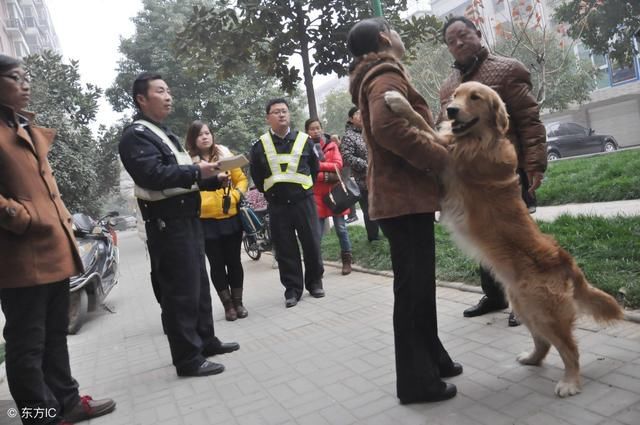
139,127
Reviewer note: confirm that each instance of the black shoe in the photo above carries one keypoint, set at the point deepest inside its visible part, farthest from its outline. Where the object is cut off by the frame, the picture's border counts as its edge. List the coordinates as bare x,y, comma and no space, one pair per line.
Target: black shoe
448,392
484,306
291,302
223,348
205,369
454,369
88,408
317,292
513,320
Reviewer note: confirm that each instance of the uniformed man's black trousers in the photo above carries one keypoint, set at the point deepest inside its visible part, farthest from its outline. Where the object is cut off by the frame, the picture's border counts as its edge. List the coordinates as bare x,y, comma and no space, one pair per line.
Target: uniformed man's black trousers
176,250
286,221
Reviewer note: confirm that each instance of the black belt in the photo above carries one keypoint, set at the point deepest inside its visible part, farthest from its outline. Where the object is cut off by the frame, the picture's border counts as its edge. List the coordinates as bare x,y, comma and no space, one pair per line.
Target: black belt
187,205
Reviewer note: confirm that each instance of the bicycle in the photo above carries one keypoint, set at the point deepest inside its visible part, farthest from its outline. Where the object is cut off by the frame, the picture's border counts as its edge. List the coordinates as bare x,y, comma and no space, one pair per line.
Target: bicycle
259,241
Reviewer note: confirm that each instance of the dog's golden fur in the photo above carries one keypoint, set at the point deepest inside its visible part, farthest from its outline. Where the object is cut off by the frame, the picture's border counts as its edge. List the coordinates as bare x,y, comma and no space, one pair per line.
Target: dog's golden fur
482,207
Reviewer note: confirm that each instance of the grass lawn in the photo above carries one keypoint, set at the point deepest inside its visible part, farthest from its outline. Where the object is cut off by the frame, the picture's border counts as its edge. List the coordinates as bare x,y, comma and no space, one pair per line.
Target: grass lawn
1,352
611,177
607,249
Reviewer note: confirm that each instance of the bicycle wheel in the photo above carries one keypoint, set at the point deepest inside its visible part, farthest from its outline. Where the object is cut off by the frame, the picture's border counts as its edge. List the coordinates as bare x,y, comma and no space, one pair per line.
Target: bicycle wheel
251,247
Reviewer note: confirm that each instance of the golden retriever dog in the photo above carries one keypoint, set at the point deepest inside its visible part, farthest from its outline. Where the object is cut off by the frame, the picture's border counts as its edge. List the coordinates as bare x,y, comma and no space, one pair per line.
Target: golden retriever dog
483,209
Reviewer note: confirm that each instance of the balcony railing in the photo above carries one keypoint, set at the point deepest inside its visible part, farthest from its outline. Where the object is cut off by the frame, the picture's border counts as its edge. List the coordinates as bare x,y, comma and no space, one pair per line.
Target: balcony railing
15,25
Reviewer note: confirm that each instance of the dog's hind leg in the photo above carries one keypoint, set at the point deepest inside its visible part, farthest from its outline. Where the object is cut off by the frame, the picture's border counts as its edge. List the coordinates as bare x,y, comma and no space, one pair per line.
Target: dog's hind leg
560,335
540,350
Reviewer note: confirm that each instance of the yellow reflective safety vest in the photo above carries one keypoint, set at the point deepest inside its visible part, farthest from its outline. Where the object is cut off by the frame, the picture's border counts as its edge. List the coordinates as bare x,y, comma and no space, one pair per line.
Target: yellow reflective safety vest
182,158
291,160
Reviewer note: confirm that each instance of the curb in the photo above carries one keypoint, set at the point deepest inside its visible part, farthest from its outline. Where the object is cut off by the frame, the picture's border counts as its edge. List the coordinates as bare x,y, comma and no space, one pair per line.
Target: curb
629,315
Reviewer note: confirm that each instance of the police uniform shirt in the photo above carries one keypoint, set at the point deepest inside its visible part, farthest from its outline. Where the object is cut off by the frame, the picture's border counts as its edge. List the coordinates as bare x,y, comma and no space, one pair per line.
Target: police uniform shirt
153,166
283,193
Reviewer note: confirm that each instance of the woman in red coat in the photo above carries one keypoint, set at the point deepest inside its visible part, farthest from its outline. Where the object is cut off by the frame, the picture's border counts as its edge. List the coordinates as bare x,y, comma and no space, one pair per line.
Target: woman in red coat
330,165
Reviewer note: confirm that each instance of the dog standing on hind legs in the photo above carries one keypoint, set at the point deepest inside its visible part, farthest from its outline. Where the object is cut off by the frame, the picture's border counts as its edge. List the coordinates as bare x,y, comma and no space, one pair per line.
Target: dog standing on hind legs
483,209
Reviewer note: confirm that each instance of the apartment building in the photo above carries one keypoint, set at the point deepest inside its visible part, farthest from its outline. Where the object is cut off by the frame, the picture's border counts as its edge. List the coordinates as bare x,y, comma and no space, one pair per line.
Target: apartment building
26,28
615,103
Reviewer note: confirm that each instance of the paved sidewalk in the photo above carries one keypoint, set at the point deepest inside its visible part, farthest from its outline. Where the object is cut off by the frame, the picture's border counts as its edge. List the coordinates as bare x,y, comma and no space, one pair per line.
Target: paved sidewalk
330,361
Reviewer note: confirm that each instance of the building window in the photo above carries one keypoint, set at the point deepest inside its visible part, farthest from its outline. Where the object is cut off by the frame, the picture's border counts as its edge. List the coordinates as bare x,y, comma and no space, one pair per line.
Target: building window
621,72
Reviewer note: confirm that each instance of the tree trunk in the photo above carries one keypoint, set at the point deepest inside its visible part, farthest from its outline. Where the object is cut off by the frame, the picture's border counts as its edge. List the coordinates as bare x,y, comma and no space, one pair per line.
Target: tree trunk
306,63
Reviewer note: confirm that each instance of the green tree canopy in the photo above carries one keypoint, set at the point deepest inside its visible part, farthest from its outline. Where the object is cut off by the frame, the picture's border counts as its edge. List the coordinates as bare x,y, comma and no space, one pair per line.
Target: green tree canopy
336,111
85,168
234,107
558,77
271,32
606,27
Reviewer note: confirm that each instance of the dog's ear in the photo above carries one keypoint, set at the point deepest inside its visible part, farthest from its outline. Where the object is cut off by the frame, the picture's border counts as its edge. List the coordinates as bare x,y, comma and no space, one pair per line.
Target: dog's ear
500,112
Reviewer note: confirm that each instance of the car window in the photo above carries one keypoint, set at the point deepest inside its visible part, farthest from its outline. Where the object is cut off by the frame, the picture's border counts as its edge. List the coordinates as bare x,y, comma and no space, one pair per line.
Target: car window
573,128
552,130
563,130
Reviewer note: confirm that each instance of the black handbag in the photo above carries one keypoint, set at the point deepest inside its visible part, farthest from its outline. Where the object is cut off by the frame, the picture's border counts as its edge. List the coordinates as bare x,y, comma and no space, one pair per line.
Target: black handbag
343,195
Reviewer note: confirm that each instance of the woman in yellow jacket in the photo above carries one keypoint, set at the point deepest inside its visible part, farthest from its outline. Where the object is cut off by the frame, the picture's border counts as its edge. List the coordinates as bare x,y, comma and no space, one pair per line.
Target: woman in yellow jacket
221,223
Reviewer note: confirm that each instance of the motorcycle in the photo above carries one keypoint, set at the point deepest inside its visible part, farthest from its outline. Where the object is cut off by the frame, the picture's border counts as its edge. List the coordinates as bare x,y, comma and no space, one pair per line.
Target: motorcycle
257,242
97,244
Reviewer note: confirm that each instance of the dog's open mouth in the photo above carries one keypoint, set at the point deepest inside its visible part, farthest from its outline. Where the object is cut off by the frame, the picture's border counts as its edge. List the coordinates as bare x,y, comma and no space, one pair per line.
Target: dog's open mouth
459,126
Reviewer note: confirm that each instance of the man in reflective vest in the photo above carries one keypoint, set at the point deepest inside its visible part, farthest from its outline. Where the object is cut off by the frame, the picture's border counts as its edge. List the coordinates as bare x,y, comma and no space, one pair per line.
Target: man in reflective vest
167,186
283,167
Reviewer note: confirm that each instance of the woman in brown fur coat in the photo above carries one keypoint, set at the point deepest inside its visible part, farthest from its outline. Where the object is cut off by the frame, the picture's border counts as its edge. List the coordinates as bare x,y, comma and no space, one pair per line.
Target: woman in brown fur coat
403,196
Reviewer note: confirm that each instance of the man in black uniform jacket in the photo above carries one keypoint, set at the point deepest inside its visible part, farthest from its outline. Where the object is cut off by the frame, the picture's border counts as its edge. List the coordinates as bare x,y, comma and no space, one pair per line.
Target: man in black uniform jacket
283,167
167,187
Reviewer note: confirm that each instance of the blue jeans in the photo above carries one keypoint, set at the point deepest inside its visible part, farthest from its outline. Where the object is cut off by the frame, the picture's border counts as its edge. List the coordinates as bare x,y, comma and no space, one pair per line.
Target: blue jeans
341,231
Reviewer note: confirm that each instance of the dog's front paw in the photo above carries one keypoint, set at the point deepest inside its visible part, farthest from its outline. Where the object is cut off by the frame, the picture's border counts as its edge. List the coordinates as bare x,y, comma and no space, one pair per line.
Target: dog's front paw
396,101
566,389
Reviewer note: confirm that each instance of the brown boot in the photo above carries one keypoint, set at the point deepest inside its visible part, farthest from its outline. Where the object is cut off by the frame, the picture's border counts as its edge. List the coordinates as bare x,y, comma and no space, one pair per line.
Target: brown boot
346,262
229,310
236,296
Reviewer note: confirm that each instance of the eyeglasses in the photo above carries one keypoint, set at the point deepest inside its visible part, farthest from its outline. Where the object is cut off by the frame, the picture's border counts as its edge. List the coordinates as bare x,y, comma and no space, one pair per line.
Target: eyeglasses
279,112
20,79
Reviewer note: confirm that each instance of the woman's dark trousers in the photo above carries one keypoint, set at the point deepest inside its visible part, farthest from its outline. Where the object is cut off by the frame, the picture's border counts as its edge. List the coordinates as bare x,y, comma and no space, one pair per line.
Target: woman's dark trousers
418,349
37,359
373,230
224,258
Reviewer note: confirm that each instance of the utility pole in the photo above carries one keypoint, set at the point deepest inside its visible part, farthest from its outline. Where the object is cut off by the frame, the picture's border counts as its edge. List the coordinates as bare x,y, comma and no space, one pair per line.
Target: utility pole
377,7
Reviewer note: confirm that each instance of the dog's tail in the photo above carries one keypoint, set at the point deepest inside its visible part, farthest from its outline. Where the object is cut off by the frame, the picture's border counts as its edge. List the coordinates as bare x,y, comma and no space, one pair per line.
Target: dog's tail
602,306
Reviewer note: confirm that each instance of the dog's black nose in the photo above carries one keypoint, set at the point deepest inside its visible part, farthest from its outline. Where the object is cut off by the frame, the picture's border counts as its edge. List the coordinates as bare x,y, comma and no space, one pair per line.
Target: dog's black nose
452,112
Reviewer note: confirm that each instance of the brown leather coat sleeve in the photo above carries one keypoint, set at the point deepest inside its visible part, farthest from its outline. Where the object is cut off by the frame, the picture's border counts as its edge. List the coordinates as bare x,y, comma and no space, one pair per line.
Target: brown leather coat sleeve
525,117
392,132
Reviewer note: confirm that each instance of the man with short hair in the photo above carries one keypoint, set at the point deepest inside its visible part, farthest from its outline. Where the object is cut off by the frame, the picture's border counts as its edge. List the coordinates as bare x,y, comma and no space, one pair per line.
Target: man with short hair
167,186
512,81
283,167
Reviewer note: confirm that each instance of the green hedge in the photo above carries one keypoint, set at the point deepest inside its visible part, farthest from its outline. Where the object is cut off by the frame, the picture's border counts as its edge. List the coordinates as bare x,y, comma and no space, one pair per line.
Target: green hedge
608,250
611,177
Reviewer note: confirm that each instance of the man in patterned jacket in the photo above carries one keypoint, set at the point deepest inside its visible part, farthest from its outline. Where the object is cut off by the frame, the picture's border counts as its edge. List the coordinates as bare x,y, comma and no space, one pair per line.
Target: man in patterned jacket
512,81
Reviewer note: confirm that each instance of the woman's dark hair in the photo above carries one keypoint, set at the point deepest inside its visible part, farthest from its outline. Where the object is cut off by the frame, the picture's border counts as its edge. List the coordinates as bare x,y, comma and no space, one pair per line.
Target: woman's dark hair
364,37
353,111
141,85
310,121
275,101
192,136
455,19
7,63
